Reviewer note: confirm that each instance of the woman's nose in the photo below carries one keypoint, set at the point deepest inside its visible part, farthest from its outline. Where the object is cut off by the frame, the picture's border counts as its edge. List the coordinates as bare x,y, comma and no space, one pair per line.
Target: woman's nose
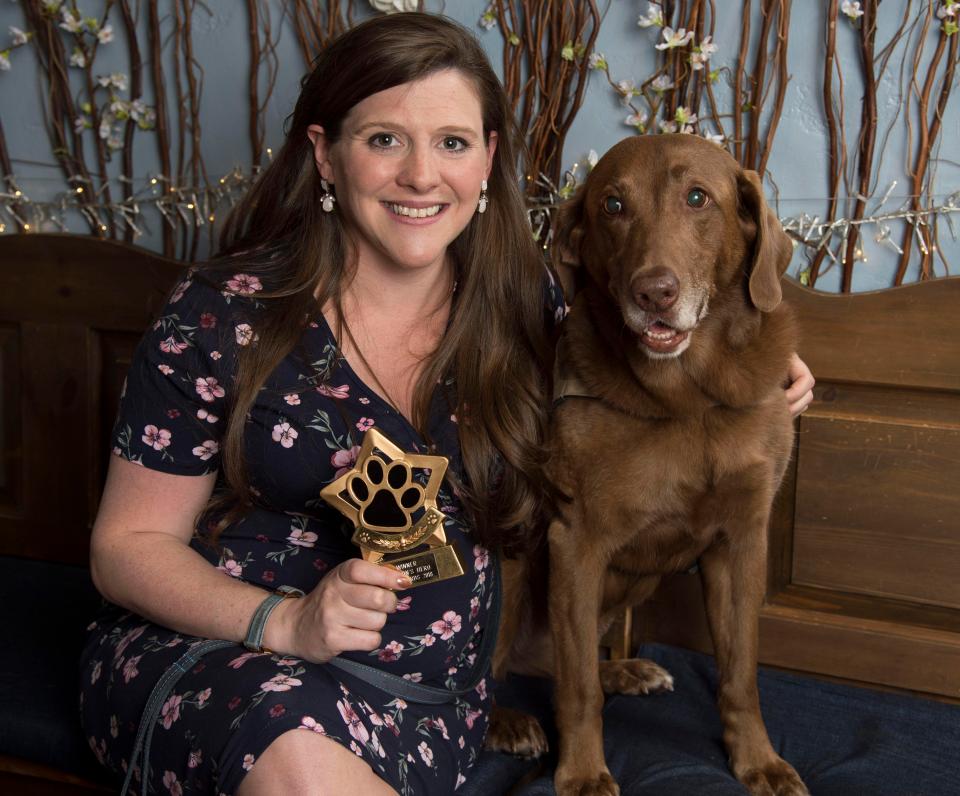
419,170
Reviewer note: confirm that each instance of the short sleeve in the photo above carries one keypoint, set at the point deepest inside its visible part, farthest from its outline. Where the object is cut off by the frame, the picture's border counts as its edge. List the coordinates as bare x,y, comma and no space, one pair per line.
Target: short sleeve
173,405
554,305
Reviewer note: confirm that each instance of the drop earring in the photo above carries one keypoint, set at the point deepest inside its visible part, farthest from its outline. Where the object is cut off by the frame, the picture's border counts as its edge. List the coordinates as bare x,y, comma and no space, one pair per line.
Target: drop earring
482,205
327,199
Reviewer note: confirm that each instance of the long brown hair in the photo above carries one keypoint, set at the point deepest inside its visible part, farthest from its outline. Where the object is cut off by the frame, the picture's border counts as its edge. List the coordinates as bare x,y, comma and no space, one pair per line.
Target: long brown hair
496,346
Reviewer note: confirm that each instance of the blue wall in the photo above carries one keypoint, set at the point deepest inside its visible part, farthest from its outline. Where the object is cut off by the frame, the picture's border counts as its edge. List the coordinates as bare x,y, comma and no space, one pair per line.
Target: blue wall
797,169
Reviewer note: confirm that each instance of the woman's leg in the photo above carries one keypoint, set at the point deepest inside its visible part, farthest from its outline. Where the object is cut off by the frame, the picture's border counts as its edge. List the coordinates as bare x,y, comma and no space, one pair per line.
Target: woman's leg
301,763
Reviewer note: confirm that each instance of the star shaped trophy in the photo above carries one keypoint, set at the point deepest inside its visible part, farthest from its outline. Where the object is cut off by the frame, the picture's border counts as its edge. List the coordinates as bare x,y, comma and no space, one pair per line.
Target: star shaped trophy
392,513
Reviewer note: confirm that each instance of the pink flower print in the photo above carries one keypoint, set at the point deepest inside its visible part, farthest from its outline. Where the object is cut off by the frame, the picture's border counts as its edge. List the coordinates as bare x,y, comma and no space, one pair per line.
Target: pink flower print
244,284
170,711
352,720
208,320
276,711
461,742
391,725
460,780
195,758
481,689
390,652
166,370
428,640
234,703
171,346
173,414
443,729
209,388
248,761
95,674
268,576
207,449
377,746
171,784
426,753
232,568
156,438
128,637
280,682
215,355
453,418
474,607
364,400
355,747
343,391
244,334
481,558
310,723
237,662
344,460
114,727
203,414
403,604
292,398
471,717
302,538
203,696
364,423
285,434
180,290
446,627
130,668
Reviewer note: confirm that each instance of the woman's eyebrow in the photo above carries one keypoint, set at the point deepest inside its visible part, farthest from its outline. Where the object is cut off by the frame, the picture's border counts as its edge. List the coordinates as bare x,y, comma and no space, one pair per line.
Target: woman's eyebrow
450,129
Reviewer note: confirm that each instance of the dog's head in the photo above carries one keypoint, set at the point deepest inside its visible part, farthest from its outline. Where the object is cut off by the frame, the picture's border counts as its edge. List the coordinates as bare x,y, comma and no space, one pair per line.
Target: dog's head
666,224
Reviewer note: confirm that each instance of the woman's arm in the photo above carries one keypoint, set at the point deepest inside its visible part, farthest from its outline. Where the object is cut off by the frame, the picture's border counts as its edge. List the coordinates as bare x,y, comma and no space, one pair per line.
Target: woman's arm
140,559
800,389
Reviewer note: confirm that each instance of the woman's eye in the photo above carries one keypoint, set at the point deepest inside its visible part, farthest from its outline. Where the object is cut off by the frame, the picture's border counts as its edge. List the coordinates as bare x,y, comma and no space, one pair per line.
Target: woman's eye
612,205
453,144
383,140
697,198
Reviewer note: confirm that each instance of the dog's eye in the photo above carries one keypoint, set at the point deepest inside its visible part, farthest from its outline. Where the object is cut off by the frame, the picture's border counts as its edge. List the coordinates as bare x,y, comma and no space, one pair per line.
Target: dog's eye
697,198
612,205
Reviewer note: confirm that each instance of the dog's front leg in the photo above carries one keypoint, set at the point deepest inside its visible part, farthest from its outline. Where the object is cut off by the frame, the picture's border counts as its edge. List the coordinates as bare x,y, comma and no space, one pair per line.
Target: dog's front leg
733,572
576,580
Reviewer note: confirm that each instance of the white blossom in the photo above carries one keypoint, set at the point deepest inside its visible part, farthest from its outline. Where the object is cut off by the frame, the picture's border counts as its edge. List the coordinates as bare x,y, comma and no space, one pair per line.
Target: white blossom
667,126
685,116
661,83
628,89
105,34
70,23
118,80
597,61
489,19
19,37
654,16
114,143
675,38
592,158
77,58
393,6
105,128
715,137
948,9
851,9
5,61
702,52
637,120
80,124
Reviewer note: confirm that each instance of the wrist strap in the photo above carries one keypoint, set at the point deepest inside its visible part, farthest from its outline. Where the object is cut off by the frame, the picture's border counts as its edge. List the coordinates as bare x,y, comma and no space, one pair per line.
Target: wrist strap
254,639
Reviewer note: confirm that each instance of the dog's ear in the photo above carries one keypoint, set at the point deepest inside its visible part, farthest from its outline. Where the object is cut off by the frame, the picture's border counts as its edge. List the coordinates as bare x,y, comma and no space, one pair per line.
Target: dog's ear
567,238
772,248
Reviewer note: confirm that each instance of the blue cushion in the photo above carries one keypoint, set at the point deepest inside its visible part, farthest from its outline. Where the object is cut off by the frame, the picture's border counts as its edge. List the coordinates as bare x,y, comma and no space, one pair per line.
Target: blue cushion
46,609
843,740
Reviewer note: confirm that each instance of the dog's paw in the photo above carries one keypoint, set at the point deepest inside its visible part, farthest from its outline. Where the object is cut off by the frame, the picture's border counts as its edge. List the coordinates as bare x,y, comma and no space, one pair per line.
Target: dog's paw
600,785
634,676
515,733
777,778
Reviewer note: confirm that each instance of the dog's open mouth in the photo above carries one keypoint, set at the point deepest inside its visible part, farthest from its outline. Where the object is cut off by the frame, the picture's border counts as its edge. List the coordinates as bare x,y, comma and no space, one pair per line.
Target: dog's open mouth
662,338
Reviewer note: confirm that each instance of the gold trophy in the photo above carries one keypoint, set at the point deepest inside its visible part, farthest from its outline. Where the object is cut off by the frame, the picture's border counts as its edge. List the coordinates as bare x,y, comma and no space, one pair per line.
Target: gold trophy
394,514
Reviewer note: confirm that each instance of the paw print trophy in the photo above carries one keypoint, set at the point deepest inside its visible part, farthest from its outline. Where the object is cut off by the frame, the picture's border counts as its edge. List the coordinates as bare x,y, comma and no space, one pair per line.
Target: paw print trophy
394,514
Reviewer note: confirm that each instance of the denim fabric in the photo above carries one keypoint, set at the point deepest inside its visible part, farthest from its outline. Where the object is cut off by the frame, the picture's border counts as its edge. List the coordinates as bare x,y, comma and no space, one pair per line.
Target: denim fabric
844,741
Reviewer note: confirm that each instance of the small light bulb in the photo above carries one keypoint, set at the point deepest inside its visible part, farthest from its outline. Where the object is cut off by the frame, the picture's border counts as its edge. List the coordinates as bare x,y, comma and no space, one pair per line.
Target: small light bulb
79,189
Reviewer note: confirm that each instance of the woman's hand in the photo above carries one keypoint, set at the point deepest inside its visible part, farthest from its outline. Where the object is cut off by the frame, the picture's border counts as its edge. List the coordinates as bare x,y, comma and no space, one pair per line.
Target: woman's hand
800,389
345,612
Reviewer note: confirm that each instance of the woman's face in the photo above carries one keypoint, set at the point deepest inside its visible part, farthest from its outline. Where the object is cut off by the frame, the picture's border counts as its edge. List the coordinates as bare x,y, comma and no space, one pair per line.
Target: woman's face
407,169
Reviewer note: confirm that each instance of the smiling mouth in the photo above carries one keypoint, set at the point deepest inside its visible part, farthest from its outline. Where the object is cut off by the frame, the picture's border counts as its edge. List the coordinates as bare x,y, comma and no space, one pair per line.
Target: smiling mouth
661,337
413,212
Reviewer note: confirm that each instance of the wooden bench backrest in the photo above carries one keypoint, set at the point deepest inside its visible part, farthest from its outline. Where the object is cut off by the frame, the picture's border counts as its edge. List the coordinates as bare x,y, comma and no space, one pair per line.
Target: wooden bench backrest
72,309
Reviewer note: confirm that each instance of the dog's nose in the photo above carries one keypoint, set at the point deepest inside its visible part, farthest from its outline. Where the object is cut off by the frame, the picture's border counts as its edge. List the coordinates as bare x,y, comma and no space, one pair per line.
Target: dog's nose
656,290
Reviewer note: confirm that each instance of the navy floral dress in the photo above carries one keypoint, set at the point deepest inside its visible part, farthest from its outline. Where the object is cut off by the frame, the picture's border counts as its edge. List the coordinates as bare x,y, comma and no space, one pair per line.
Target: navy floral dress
304,431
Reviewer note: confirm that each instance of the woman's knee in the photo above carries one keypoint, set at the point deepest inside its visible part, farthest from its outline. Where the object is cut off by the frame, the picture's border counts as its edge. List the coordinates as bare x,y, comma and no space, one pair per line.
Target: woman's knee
302,763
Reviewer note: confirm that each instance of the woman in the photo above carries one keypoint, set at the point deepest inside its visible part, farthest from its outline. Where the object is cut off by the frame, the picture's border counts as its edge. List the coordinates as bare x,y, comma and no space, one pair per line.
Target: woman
380,273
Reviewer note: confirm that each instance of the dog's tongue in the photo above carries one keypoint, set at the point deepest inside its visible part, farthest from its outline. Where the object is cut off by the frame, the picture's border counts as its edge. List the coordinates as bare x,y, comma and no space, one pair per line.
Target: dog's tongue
659,327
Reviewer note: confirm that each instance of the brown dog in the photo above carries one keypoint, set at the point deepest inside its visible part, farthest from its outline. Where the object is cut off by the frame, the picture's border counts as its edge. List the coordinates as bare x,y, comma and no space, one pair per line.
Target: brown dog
671,442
